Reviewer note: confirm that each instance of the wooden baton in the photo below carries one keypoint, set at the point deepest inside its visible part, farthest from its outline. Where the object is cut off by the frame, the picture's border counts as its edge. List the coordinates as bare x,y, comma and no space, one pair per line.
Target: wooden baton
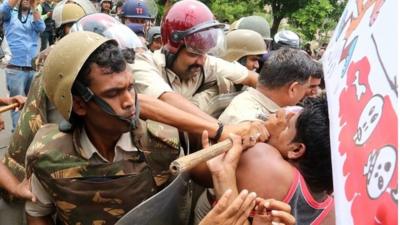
187,162
8,107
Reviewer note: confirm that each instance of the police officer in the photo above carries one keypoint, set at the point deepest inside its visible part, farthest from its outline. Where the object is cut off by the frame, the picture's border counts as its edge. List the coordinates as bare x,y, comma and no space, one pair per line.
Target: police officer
183,66
153,38
114,166
245,47
140,12
286,38
258,24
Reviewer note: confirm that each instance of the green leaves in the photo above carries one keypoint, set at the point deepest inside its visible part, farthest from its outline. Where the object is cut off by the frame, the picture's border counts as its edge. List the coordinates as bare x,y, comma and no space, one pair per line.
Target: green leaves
228,10
316,19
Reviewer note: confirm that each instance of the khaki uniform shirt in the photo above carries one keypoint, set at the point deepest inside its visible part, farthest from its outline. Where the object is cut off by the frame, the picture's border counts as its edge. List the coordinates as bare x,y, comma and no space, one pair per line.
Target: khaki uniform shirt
248,106
44,206
150,67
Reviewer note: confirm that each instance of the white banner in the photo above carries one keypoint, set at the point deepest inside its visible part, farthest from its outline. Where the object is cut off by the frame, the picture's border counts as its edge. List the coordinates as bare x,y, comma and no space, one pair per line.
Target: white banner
360,67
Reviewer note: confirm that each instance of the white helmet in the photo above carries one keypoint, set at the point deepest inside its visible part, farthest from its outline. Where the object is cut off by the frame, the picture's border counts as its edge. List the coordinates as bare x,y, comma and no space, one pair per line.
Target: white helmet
287,38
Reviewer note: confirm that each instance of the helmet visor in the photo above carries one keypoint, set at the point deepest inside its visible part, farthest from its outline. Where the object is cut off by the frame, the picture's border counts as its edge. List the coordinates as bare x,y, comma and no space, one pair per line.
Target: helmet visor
109,27
211,41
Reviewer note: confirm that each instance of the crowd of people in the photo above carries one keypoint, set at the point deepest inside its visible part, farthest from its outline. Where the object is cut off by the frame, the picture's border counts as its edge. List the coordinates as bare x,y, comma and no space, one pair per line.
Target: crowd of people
110,99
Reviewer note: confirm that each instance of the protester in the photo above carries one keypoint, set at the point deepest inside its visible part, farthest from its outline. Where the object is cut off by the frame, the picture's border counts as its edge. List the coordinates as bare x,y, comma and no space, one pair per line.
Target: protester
294,167
223,170
22,29
297,169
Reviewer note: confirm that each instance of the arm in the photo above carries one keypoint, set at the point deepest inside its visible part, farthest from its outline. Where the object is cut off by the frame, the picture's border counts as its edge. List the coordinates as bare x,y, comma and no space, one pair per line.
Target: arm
40,10
251,79
233,71
44,220
38,23
230,213
182,103
15,99
41,211
160,111
263,170
10,183
12,3
6,8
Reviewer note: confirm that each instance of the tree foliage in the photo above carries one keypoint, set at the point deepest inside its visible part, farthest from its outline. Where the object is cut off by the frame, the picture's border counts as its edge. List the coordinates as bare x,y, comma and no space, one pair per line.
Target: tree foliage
228,10
282,9
305,17
316,19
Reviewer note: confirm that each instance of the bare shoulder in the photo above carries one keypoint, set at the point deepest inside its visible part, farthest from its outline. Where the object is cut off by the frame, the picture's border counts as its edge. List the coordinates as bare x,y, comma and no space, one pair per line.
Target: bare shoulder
263,170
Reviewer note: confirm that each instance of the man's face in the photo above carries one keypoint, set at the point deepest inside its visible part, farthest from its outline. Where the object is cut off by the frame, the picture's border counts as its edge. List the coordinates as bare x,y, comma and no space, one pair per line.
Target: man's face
314,87
188,65
252,62
129,20
156,44
106,5
117,90
283,133
299,91
25,4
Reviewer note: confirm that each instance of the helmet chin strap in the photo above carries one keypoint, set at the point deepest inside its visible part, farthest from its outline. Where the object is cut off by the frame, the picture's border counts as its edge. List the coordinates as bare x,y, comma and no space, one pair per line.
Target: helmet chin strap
88,95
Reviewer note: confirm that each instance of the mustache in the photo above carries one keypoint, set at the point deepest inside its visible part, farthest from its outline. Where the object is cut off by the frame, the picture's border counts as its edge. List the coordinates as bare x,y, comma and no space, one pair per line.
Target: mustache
194,66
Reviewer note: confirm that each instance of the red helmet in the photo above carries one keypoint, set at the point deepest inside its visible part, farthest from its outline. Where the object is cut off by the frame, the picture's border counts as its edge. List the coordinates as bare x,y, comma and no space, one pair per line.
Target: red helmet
190,23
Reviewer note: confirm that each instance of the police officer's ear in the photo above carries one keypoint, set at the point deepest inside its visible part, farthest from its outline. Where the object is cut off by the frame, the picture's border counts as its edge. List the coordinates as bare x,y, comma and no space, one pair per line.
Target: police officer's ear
293,89
296,151
79,106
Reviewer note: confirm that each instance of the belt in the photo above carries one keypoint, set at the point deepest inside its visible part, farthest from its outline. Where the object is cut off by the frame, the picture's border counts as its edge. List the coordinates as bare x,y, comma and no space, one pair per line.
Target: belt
23,68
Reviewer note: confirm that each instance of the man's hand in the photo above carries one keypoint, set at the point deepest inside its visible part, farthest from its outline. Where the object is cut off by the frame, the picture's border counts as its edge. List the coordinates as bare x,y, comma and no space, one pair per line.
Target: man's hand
34,4
225,163
251,132
235,213
23,191
277,123
271,212
16,99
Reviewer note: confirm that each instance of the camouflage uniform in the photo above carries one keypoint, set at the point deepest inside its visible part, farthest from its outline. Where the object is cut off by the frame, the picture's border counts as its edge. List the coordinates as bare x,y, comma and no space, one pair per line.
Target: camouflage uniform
33,116
37,106
81,190
90,193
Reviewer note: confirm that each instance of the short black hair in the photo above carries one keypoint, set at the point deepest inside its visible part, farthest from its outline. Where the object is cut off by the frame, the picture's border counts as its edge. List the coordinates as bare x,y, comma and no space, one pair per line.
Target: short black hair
107,55
317,71
312,129
284,66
